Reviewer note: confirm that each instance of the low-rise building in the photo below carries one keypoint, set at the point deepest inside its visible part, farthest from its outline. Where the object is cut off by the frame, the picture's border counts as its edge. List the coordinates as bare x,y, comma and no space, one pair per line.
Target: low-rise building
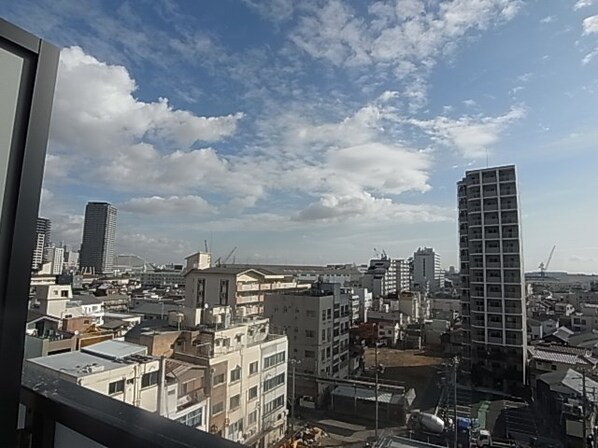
241,288
113,368
162,278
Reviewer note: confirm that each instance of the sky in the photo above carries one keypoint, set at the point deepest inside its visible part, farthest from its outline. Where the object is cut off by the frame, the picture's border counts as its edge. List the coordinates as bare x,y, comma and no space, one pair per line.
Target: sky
315,131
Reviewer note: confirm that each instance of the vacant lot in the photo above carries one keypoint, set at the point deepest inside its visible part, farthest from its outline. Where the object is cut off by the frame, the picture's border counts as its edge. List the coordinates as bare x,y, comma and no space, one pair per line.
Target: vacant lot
411,368
401,358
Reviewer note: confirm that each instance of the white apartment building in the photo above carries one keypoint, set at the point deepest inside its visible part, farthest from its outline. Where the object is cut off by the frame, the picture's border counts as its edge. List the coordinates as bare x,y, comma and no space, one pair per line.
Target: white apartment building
427,273
493,301
117,369
58,301
381,277
317,325
38,252
55,256
159,279
241,288
248,366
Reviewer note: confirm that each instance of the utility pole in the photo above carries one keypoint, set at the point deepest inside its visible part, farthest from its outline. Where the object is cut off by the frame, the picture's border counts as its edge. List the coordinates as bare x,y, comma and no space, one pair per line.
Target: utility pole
455,363
376,381
293,363
583,404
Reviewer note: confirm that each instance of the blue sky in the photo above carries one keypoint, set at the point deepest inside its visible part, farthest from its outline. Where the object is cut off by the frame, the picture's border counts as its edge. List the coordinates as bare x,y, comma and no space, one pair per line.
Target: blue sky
314,131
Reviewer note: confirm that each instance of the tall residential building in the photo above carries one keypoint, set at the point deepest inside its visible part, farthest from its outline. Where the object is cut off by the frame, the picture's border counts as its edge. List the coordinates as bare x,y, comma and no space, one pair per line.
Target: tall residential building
403,274
55,256
44,227
381,277
427,273
97,248
317,325
42,240
492,292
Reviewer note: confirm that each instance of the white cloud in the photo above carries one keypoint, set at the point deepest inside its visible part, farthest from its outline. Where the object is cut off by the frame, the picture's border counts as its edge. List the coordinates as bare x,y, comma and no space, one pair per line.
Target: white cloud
590,25
335,208
96,112
174,206
406,37
152,247
547,19
582,4
588,57
469,102
471,136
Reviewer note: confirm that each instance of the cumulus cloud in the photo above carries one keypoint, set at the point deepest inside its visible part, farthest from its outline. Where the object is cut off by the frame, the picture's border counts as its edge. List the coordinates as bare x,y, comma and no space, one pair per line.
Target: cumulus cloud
582,4
173,205
96,112
471,136
334,208
590,25
588,57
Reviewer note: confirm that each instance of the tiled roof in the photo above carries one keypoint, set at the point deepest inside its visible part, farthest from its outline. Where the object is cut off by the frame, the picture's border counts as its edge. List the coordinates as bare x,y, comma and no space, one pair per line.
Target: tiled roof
562,358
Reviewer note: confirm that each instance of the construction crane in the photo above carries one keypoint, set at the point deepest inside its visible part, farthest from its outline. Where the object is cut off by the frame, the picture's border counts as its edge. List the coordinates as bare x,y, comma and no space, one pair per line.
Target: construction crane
220,261
544,266
376,253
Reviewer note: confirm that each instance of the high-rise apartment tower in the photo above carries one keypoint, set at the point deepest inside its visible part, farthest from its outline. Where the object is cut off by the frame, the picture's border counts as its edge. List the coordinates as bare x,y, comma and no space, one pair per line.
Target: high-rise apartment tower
492,294
99,229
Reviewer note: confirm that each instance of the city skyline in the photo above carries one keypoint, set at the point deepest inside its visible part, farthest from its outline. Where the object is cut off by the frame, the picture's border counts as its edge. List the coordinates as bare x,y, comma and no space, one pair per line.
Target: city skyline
314,133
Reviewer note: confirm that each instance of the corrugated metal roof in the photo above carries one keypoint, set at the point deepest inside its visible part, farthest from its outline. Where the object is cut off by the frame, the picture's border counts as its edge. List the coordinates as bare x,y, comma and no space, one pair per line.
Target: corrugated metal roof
367,394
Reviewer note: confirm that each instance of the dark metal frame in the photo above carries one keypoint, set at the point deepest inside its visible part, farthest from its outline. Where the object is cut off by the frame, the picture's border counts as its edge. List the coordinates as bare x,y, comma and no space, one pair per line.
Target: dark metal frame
20,208
100,418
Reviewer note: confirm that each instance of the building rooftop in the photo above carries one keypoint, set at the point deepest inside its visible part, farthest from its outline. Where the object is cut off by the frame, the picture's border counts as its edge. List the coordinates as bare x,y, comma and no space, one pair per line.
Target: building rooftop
115,349
367,394
155,308
76,364
33,315
548,355
568,381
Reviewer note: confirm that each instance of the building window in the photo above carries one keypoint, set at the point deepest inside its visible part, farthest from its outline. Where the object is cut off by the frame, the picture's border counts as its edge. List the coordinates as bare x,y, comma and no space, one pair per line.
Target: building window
329,313
273,405
64,293
224,285
323,314
149,379
193,418
201,293
253,367
217,408
235,427
275,359
274,382
252,418
116,387
218,379
310,334
252,394
235,401
310,354
235,374
324,335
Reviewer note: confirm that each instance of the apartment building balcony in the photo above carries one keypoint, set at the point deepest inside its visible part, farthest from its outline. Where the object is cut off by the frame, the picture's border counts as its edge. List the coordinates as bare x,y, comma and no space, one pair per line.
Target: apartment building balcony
506,175
495,340
61,414
489,191
243,299
490,205
492,324
494,309
508,189
489,177
248,286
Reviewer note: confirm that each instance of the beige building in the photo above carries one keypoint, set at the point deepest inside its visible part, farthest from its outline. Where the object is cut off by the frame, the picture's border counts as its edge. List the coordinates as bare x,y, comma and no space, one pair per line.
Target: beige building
241,288
118,369
247,365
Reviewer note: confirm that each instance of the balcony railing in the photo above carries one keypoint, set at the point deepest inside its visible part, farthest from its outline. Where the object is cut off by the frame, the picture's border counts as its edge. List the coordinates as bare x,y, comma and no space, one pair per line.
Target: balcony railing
61,414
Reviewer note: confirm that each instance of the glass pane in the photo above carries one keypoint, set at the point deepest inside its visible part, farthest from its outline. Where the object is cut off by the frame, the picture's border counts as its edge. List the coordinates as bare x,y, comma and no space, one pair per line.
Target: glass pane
10,79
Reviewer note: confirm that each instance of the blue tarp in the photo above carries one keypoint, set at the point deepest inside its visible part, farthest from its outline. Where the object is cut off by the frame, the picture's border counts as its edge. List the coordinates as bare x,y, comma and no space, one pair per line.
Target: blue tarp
464,423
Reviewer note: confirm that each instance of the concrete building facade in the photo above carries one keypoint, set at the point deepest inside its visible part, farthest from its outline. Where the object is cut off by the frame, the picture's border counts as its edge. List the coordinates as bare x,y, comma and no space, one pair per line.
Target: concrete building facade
427,273
241,288
317,325
99,230
492,294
